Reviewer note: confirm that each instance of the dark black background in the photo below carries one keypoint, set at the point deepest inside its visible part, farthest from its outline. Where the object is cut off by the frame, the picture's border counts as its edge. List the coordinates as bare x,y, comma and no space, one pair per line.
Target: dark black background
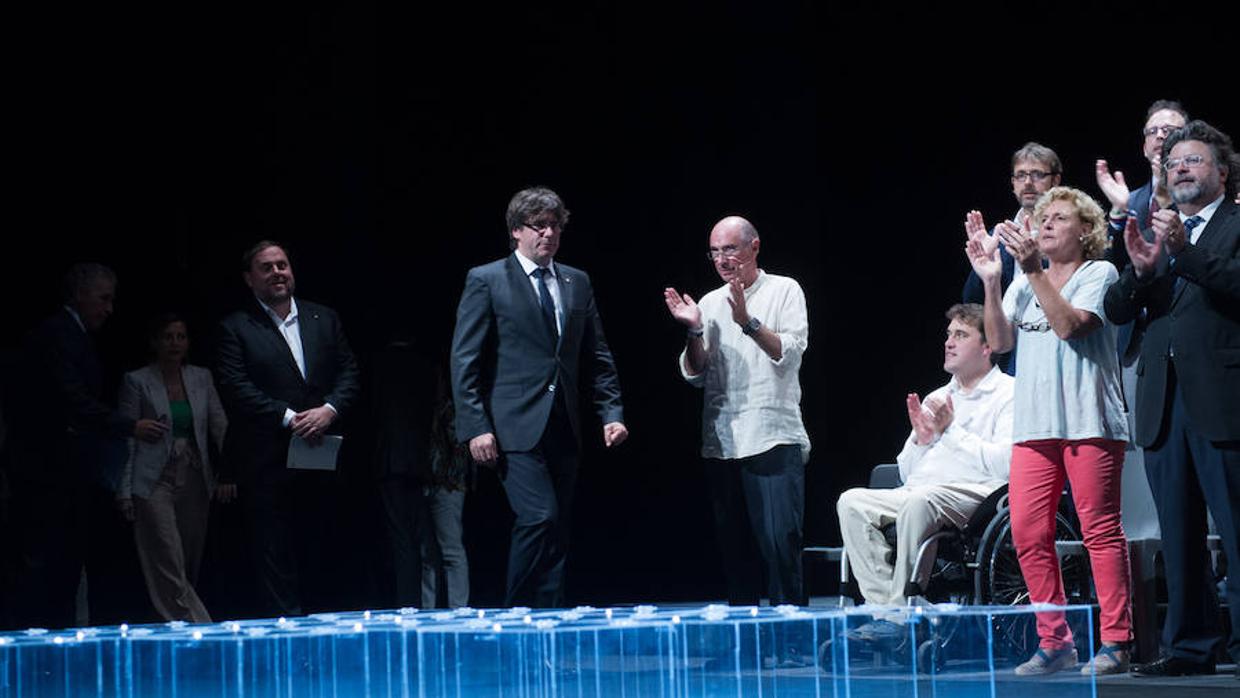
383,142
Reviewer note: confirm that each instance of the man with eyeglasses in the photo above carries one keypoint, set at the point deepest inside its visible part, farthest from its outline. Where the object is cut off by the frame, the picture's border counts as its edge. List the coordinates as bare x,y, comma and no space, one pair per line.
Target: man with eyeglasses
744,347
1186,281
1162,118
527,329
1035,169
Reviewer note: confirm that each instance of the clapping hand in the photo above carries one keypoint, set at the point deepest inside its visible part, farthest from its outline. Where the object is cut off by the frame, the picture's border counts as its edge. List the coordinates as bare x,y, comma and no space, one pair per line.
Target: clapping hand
923,430
1144,255
1020,244
683,309
1113,186
981,248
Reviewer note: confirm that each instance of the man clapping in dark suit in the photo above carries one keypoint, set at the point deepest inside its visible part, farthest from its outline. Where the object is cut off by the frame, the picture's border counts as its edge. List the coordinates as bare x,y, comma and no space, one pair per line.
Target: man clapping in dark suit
527,333
1186,279
284,370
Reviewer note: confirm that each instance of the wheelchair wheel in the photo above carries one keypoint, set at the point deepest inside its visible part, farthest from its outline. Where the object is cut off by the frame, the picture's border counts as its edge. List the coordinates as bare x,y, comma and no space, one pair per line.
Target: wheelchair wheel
1002,583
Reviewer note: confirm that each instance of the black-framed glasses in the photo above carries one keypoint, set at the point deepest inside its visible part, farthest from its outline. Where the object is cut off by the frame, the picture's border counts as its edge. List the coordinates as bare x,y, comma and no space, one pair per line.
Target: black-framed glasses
1193,160
542,227
1163,131
1031,175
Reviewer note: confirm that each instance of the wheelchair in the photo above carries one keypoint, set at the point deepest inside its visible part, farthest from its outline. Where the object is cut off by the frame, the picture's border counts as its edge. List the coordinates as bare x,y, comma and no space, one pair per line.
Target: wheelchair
977,565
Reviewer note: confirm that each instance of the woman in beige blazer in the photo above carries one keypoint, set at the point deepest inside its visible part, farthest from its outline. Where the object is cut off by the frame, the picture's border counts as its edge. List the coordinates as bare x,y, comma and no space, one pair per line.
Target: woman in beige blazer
167,486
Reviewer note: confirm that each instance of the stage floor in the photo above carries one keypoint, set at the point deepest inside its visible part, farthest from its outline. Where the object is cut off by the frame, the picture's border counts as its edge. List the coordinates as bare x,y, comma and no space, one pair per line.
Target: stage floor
670,652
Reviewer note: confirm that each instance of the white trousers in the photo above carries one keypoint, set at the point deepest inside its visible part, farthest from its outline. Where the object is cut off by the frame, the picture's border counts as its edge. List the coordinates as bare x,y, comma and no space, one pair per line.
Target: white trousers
917,512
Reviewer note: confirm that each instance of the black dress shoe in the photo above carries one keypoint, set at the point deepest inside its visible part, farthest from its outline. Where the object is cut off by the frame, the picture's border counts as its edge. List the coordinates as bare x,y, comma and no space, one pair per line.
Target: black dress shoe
1172,666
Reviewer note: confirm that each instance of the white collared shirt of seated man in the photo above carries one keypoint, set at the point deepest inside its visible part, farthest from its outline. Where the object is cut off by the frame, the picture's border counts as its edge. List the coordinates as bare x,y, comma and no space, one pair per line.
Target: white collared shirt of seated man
958,453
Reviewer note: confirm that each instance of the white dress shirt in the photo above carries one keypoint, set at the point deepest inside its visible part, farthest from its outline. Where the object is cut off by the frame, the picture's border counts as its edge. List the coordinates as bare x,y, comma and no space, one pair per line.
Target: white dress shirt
976,447
1205,215
752,402
553,285
290,329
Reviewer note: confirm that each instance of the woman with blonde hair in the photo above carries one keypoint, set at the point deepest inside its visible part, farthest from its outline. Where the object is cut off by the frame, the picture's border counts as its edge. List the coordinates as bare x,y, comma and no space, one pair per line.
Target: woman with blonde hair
1069,417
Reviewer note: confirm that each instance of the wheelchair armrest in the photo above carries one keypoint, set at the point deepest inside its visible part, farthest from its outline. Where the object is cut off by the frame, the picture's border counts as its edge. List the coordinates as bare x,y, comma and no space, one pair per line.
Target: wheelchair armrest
885,476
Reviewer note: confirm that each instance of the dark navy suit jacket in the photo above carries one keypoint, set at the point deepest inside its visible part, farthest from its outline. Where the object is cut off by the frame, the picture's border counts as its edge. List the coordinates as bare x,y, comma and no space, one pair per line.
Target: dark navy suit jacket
506,367
258,379
1196,327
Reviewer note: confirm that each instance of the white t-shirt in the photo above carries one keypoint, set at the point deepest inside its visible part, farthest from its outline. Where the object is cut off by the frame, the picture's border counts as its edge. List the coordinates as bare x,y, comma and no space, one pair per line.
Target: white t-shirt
1066,389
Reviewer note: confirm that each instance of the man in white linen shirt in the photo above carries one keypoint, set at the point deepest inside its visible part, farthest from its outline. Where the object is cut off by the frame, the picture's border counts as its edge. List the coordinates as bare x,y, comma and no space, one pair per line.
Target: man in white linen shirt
744,347
958,453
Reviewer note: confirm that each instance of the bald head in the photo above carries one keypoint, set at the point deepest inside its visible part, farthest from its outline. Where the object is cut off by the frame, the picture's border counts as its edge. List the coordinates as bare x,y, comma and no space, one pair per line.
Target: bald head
734,249
739,225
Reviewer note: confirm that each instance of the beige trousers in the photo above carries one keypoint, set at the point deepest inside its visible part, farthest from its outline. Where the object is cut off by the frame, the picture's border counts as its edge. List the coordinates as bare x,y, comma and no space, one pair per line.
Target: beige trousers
170,528
917,512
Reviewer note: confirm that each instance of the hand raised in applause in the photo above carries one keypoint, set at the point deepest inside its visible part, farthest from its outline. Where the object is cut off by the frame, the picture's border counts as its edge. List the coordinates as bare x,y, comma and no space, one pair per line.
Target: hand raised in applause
981,248
736,298
941,413
1169,229
1144,255
1113,186
1019,242
683,309
923,430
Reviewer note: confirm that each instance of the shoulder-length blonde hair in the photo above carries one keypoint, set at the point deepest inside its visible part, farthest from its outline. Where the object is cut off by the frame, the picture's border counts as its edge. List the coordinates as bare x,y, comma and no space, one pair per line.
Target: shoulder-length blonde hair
1095,241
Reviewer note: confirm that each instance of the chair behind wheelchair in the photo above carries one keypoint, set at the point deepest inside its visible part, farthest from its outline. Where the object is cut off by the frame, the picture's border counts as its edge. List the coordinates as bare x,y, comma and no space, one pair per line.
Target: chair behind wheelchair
977,565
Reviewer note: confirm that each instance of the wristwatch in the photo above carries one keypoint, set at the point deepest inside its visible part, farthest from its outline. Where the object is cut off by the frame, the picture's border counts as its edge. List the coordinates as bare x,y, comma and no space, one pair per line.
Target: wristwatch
752,326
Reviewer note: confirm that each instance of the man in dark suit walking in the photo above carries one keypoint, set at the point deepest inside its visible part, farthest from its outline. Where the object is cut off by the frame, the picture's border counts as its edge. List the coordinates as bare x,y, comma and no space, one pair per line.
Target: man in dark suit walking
1186,279
527,335
285,371
64,453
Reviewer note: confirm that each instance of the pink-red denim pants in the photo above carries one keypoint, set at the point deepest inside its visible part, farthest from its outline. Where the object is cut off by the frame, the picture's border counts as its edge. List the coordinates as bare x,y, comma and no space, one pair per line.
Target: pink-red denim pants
1093,466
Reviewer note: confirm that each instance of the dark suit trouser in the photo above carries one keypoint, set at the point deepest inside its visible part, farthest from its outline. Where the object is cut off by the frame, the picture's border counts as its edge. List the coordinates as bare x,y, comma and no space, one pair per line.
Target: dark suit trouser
404,504
539,485
60,529
758,504
50,527
1187,472
291,516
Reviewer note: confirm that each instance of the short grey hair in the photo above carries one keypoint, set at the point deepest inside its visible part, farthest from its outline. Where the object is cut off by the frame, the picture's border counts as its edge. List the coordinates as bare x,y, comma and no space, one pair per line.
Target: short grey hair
82,276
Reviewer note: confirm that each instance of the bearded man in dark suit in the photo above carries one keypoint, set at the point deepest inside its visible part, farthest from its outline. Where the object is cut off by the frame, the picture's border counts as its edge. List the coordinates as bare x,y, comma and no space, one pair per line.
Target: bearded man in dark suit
1185,278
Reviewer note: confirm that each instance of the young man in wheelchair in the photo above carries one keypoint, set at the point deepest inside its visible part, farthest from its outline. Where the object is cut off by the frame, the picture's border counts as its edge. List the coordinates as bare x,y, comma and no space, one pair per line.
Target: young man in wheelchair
957,454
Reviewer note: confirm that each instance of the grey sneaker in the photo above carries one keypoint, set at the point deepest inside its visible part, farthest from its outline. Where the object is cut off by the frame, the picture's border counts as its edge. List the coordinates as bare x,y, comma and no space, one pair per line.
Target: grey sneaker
1111,659
1043,662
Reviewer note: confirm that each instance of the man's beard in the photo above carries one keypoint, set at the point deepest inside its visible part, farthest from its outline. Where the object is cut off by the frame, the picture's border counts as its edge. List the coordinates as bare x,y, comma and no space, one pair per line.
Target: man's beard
1186,193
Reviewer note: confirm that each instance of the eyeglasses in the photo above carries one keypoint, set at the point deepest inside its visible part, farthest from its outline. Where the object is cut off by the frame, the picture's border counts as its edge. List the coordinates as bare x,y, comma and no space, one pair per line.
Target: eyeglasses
1163,131
725,251
1187,161
542,227
1033,175
1043,326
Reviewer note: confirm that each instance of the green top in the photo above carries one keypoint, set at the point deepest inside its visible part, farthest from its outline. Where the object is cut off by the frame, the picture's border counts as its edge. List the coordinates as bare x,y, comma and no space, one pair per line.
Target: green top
182,419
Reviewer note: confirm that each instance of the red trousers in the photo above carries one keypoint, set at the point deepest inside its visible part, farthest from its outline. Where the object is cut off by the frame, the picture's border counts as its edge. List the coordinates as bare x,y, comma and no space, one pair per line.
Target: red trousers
1093,467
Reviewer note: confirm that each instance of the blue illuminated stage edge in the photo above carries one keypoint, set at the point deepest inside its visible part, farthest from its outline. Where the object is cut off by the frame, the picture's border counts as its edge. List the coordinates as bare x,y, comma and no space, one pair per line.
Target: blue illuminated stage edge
956,651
